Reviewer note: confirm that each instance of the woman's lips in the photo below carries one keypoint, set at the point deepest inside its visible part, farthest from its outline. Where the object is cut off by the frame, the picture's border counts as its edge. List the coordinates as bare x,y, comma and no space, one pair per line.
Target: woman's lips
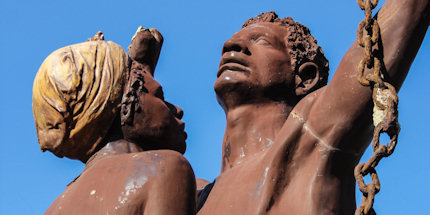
182,129
185,135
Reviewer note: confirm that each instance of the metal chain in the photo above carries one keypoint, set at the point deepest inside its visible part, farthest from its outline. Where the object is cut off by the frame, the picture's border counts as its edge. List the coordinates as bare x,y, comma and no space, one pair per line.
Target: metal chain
385,102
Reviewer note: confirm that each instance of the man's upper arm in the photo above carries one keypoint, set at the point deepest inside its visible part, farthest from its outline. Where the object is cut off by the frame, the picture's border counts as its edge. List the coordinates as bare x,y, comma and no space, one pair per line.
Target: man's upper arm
345,106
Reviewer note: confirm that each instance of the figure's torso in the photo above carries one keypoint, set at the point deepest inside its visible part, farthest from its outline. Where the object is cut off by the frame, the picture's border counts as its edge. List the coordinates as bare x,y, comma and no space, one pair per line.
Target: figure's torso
301,173
124,184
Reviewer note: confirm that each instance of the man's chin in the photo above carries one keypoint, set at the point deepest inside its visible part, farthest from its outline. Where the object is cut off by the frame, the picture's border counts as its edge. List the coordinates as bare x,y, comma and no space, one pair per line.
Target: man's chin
231,85
231,93
231,79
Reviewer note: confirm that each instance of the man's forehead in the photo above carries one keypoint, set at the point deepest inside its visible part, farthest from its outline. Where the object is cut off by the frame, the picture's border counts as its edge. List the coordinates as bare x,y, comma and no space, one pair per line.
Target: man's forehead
266,27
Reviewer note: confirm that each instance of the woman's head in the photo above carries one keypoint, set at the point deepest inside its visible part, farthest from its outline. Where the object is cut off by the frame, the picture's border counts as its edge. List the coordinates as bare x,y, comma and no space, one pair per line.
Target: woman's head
78,90
76,96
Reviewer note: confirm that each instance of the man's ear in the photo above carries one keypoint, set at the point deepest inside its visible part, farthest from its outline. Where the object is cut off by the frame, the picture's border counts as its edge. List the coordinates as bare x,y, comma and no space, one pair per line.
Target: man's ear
306,78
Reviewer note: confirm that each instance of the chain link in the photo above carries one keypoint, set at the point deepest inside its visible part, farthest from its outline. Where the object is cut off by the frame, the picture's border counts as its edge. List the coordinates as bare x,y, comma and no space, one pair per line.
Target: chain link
385,102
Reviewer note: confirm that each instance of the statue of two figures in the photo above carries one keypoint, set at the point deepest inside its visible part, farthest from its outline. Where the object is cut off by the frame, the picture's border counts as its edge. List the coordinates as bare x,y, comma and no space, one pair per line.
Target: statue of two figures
291,141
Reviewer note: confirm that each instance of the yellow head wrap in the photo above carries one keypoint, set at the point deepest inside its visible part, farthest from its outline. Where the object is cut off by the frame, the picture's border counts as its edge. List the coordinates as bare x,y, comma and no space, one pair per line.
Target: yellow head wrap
76,96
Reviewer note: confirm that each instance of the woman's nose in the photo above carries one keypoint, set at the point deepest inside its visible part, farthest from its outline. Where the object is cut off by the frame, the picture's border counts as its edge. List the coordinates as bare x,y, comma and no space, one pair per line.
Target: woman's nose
177,111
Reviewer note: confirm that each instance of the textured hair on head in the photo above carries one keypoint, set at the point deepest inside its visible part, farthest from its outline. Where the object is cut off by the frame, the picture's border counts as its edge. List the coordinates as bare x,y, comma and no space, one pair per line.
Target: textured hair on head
301,44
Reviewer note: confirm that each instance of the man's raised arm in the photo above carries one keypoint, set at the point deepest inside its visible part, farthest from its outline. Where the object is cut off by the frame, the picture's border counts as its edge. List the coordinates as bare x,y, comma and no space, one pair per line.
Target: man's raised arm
345,106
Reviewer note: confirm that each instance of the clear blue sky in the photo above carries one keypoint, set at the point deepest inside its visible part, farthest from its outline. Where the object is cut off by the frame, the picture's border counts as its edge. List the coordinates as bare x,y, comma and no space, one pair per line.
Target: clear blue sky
194,32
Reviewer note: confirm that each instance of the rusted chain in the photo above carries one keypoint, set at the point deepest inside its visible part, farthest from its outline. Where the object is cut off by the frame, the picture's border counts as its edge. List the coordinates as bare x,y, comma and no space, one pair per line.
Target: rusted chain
385,102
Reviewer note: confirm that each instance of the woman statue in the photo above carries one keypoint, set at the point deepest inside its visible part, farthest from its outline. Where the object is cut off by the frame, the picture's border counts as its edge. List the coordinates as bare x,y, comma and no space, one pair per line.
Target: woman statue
94,102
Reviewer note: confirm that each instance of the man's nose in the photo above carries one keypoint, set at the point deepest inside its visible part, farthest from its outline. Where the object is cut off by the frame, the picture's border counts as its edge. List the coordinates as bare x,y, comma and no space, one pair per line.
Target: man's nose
236,45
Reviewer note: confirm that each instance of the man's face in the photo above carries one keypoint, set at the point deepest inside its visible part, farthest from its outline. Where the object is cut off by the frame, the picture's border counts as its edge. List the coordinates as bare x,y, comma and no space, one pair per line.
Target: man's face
255,63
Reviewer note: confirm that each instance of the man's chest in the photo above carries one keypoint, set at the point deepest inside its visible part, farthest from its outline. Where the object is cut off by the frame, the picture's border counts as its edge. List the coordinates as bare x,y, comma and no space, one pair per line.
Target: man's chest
289,176
238,190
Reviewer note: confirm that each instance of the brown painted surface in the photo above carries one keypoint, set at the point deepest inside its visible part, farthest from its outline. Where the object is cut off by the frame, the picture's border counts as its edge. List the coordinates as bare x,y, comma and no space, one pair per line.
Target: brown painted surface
288,149
150,182
138,168
290,144
201,183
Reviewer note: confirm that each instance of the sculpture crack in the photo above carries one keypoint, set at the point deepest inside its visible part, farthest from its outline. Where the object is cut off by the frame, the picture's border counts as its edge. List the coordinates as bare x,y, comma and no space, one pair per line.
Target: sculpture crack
312,132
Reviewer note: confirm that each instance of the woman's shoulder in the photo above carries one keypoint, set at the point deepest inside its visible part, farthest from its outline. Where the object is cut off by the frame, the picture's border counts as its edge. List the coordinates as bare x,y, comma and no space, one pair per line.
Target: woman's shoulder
146,163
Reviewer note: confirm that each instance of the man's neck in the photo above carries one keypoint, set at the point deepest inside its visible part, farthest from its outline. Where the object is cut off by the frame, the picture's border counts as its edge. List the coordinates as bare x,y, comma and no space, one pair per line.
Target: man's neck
250,129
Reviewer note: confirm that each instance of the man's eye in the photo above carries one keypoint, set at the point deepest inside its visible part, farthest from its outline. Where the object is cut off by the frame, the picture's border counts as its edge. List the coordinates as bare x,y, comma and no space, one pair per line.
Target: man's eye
262,41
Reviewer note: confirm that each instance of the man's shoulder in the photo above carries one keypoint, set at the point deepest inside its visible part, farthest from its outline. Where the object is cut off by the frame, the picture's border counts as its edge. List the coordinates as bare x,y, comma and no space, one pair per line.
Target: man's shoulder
305,105
301,113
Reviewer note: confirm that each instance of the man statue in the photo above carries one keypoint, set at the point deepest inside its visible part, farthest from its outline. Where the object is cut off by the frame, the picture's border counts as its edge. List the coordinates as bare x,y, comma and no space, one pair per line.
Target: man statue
93,102
291,142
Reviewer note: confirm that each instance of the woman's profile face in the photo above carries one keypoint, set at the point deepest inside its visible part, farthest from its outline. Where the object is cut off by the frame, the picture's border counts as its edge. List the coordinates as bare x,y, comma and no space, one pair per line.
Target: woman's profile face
155,124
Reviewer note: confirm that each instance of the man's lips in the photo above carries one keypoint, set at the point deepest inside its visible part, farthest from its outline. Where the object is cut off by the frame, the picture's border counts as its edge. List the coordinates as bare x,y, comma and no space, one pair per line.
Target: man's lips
232,67
232,64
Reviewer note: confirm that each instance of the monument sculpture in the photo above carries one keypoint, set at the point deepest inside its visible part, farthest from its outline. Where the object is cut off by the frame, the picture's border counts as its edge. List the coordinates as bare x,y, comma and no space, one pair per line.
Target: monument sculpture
291,144
292,141
93,102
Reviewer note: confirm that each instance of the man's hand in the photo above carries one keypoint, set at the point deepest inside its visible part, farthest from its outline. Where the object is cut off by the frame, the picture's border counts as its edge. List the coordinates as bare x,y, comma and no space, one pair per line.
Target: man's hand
145,46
